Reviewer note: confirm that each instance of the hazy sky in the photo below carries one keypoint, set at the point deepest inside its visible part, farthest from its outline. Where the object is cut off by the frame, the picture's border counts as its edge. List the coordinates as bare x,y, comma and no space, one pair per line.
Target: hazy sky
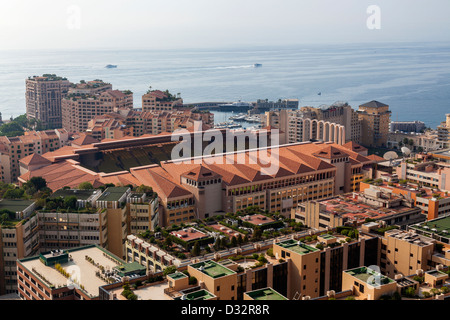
37,24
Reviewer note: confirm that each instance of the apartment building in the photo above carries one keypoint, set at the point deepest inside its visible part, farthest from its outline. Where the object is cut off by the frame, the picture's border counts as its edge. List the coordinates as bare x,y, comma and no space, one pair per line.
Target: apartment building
368,284
19,238
425,172
156,121
375,118
355,208
15,149
427,141
108,126
443,131
407,126
432,202
43,99
85,101
337,124
405,253
158,100
74,274
217,279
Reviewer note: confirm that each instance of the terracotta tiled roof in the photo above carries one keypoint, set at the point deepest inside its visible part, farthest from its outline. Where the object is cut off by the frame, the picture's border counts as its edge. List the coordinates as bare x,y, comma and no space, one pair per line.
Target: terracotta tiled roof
84,140
201,173
59,175
34,159
161,182
354,146
375,158
330,152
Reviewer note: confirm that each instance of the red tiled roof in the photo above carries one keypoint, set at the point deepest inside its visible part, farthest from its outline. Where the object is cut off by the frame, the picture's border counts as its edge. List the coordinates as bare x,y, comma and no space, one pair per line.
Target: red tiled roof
34,159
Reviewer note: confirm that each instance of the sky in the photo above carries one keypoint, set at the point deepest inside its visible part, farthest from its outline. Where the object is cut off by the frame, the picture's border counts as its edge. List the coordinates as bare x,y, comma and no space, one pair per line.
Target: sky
161,24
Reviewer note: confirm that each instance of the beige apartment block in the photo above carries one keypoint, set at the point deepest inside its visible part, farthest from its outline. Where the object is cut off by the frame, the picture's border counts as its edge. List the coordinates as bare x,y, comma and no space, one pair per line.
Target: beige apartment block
158,100
85,101
19,238
375,119
43,99
367,283
216,278
14,149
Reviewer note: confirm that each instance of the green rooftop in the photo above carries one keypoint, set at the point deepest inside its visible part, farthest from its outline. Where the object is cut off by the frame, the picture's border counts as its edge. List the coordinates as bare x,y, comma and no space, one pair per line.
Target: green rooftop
177,275
80,194
265,294
440,226
297,247
15,205
369,275
327,236
131,268
113,194
212,269
198,295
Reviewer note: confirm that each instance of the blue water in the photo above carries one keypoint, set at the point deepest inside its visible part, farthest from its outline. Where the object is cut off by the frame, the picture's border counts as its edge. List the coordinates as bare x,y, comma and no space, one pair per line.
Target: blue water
413,79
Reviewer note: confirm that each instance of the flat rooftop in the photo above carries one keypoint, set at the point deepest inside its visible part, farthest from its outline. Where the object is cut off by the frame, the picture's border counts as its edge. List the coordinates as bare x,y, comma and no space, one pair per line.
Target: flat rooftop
369,276
198,295
189,234
212,269
113,194
150,292
348,207
257,219
440,226
230,232
130,268
296,246
80,194
177,275
437,274
15,205
79,263
265,294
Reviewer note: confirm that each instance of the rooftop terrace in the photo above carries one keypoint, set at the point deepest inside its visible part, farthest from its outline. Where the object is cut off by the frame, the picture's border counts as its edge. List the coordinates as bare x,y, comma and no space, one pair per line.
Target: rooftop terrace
265,294
80,194
369,276
212,269
439,227
15,205
113,194
86,277
198,295
297,247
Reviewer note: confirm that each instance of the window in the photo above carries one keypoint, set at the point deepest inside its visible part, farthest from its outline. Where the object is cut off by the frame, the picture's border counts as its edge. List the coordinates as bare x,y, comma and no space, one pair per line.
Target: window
218,288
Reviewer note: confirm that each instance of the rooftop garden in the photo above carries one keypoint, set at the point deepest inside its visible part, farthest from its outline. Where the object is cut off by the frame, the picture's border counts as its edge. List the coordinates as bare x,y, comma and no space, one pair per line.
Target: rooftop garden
169,96
247,233
49,77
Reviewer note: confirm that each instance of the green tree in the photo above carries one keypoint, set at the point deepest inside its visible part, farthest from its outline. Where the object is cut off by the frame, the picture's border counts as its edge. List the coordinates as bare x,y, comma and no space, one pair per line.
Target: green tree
410,292
16,193
70,202
4,217
234,242
257,234
169,270
85,186
38,183
240,241
196,249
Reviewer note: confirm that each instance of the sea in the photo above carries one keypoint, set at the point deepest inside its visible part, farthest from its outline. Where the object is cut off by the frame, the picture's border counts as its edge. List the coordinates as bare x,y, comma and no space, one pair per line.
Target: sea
412,78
